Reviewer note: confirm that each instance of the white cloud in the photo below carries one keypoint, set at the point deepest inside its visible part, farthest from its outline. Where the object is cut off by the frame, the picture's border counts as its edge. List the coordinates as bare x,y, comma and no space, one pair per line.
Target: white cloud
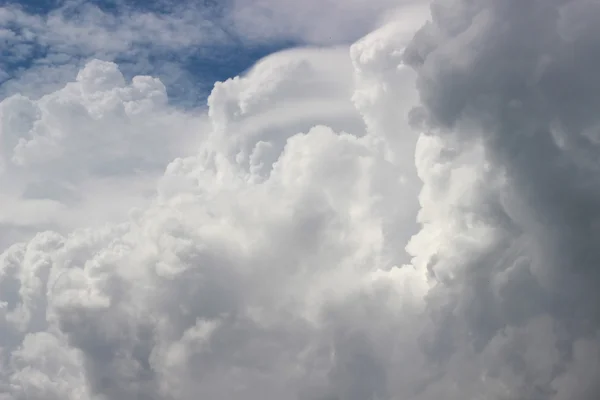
42,51
88,152
223,286
319,21
270,263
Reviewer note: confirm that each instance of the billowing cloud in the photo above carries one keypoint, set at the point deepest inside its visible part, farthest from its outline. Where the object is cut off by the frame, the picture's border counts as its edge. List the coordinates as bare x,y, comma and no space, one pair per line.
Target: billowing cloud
236,281
316,246
509,91
88,152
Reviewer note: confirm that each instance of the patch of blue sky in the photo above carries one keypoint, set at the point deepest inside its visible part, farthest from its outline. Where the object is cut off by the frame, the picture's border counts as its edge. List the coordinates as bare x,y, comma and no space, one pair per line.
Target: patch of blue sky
34,6
33,58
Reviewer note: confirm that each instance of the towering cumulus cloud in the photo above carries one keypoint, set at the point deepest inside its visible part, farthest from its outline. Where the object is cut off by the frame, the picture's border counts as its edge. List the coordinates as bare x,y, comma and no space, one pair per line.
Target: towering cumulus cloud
317,246
510,93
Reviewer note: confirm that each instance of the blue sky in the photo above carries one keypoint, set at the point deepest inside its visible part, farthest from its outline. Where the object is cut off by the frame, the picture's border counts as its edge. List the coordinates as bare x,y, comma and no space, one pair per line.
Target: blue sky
188,67
187,44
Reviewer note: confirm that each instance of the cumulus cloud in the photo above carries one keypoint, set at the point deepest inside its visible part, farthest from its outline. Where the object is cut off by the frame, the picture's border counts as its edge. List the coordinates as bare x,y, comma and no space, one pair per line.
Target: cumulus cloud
88,152
317,246
508,88
223,286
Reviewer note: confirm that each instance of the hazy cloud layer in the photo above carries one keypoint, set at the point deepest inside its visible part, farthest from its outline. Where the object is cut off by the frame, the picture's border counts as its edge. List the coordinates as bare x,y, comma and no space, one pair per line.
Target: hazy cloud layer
317,245
40,52
317,21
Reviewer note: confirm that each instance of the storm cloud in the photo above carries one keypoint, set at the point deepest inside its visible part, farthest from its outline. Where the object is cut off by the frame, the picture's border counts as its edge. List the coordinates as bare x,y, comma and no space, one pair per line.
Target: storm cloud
413,217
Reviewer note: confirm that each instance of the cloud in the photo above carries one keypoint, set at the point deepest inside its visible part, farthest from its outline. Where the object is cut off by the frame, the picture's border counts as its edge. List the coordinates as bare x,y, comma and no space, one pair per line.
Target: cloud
223,285
513,83
317,22
88,152
271,263
188,45
42,51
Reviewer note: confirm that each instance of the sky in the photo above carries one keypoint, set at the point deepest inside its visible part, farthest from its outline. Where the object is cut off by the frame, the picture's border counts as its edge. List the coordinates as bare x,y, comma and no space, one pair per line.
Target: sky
184,44
317,200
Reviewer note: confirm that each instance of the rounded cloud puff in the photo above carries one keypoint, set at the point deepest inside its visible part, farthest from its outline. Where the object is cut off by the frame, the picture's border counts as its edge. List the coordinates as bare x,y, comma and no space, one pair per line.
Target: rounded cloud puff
97,140
93,123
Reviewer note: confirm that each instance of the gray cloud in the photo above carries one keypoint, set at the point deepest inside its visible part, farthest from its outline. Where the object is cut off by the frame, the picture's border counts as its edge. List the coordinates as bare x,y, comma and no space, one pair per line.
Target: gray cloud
518,78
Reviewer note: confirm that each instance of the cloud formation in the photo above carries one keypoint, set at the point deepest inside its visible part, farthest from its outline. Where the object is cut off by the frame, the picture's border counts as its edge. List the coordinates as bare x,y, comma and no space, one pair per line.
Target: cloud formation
185,43
271,263
88,152
41,51
322,22
227,276
515,82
